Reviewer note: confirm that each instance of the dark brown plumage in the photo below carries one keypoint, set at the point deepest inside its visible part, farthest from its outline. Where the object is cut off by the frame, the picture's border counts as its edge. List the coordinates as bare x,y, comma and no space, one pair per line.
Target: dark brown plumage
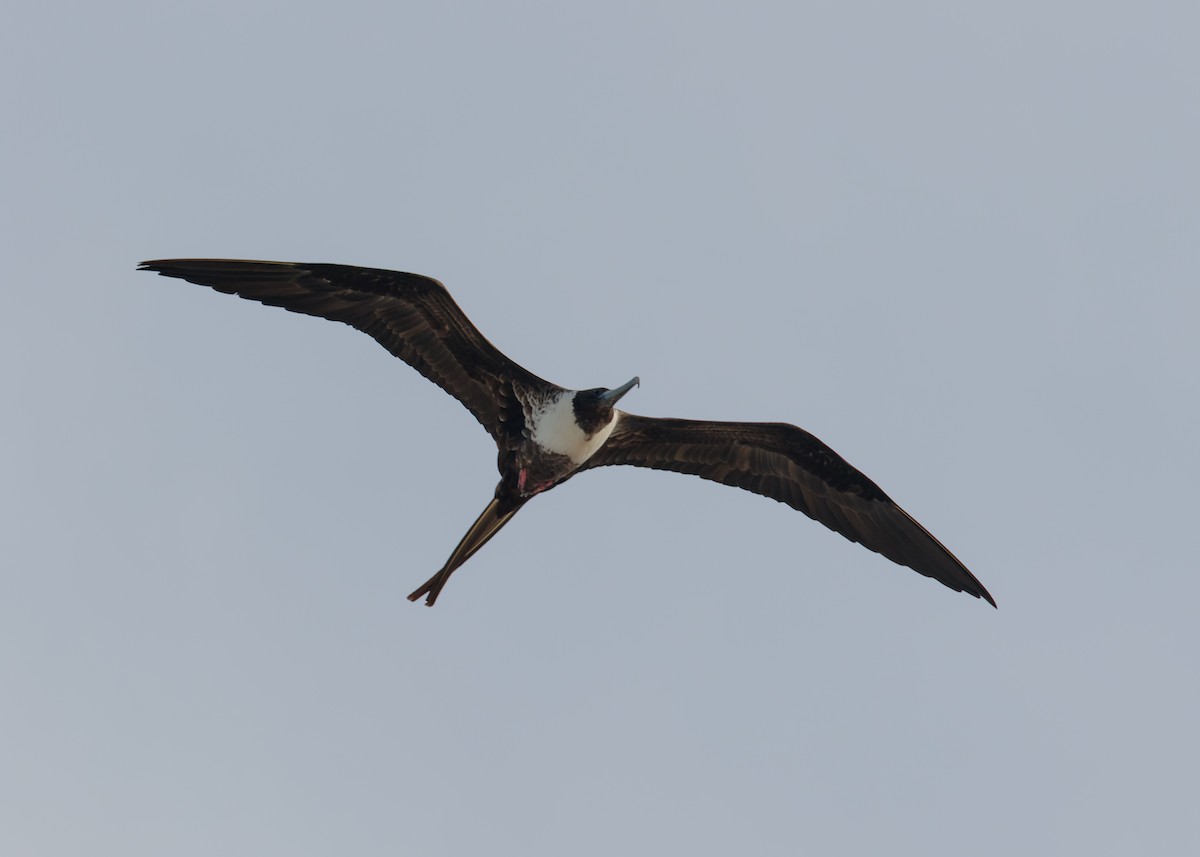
410,315
546,434
790,465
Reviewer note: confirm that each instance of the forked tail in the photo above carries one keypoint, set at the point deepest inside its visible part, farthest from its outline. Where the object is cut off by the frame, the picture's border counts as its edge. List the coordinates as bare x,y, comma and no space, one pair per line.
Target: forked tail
495,516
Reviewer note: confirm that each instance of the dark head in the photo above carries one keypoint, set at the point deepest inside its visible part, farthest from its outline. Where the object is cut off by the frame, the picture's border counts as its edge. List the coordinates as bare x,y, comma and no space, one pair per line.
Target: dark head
594,408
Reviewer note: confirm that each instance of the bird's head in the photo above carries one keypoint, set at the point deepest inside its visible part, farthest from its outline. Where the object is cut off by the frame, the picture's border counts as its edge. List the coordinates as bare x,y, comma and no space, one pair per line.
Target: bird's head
594,408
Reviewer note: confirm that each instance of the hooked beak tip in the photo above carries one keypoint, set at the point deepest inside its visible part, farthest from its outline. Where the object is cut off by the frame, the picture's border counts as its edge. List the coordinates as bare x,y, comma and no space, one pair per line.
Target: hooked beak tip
615,394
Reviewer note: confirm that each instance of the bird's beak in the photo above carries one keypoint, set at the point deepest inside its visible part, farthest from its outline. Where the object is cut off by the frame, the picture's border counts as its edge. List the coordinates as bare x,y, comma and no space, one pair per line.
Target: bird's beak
612,396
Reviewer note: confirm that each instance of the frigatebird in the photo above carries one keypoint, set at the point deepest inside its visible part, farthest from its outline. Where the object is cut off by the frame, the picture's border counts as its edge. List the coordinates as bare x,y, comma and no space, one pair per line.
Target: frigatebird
546,433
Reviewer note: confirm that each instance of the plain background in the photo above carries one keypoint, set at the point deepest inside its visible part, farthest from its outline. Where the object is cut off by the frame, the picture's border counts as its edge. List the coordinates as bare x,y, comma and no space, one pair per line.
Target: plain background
956,241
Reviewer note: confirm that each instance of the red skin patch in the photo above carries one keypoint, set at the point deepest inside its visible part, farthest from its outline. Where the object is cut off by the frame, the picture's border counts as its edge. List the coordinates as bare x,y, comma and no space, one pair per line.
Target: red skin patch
523,479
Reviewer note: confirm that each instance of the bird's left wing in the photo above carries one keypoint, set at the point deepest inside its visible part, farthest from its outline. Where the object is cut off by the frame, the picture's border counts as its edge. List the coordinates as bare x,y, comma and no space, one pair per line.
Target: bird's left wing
790,465
410,315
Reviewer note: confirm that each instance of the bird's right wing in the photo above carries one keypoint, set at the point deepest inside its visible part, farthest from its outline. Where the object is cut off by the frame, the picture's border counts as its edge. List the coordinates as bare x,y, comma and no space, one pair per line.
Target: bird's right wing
410,315
790,465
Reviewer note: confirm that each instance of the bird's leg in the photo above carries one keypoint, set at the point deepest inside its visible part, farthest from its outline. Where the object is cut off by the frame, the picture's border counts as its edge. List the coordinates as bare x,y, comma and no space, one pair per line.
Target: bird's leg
495,516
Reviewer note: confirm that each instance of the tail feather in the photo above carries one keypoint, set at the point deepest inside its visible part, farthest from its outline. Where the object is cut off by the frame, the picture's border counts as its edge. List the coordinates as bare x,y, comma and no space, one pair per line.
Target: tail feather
496,515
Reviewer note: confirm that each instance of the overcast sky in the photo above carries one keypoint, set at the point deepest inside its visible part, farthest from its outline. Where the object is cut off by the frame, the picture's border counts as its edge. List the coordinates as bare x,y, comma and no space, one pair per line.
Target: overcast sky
958,242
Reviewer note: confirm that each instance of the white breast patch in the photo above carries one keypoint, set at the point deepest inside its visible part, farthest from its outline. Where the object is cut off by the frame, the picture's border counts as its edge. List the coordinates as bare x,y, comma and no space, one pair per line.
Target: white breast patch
554,429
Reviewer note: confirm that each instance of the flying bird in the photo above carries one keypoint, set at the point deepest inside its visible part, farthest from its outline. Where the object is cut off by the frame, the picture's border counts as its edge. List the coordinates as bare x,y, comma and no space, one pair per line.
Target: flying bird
546,433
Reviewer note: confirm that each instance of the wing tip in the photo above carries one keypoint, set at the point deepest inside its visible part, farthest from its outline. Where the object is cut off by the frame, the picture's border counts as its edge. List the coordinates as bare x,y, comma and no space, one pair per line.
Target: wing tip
173,267
971,585
987,596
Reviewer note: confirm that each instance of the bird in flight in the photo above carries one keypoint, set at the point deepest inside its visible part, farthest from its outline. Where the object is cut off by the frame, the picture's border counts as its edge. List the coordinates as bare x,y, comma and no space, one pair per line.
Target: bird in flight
546,433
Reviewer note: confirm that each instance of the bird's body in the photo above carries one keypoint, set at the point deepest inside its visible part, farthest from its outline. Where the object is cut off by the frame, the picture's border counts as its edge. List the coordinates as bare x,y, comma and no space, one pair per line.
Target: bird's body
545,434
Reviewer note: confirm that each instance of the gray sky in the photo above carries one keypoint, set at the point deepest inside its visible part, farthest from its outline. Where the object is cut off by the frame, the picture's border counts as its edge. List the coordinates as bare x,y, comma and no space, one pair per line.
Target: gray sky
958,242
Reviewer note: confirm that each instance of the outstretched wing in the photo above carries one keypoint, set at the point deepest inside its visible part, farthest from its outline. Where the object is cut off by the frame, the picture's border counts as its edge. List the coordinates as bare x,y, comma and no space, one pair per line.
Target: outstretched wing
410,315
788,464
